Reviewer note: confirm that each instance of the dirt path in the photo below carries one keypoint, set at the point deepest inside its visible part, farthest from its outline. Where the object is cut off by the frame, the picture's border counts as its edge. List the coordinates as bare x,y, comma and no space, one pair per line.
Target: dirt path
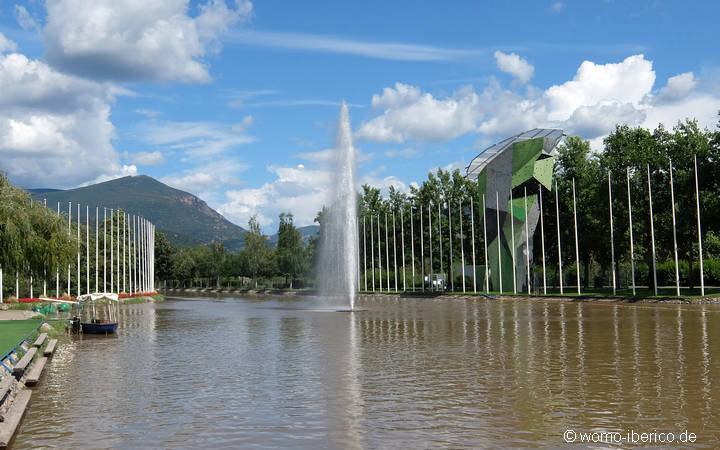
18,315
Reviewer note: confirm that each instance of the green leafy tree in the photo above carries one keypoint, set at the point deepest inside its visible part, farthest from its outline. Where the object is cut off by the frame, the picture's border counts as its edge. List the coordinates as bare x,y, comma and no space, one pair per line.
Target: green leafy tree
290,250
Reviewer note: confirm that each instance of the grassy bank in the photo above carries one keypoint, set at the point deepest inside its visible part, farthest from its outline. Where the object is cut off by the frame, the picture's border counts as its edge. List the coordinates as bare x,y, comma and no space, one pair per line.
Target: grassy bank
13,331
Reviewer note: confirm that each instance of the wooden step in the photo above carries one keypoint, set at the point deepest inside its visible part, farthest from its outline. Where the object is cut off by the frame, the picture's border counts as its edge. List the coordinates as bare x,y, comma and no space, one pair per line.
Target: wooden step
20,367
34,375
50,348
40,340
13,417
6,385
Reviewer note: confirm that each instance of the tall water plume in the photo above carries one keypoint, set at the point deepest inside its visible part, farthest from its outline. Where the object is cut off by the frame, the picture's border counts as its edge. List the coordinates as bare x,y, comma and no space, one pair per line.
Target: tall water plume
339,237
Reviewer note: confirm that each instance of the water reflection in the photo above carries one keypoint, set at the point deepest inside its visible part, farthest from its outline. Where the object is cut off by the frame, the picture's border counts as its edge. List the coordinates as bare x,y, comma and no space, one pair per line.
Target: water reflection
264,372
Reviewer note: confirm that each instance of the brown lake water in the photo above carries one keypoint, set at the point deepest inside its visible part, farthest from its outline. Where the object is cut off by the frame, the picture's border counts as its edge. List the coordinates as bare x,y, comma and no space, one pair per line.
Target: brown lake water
228,372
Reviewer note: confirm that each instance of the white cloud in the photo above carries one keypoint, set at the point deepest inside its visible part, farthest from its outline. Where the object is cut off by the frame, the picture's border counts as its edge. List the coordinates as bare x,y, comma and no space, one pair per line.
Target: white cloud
515,66
196,140
206,181
137,40
6,45
677,88
331,44
557,7
328,155
598,97
410,114
246,123
404,153
147,158
55,129
25,20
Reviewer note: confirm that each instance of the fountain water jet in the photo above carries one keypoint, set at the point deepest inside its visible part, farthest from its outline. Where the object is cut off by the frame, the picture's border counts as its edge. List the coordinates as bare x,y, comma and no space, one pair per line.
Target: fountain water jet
339,238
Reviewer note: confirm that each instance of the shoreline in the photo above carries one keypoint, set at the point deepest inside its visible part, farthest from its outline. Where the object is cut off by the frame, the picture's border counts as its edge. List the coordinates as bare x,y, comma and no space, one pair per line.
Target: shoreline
707,300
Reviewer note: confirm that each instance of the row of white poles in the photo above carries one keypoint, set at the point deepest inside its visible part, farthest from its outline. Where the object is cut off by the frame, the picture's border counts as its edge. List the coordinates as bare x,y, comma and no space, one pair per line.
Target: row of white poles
376,219
132,255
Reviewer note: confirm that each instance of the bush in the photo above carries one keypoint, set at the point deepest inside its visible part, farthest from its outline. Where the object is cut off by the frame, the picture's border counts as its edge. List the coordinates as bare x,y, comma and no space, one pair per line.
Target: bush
666,272
711,272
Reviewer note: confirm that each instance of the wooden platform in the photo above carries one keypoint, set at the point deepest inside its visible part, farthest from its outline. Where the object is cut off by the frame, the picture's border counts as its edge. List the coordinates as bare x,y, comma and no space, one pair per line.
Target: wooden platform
13,417
20,367
50,347
34,375
5,385
40,340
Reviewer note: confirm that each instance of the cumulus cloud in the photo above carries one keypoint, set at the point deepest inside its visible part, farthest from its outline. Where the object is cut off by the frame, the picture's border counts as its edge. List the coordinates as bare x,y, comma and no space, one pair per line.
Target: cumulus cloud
598,97
515,66
6,45
55,129
137,40
411,114
206,181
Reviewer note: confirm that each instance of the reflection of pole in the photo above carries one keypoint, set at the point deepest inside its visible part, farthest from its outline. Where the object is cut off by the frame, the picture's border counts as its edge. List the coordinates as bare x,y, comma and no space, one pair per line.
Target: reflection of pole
557,220
527,245
487,269
450,272
512,238
632,250
497,216
542,239
422,250
612,237
577,249
365,252
412,246
652,231
472,233
697,202
395,252
372,252
462,247
675,250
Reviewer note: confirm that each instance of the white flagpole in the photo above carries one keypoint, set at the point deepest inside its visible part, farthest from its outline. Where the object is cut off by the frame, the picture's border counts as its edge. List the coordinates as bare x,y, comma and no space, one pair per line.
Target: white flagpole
124,243
675,249
57,268
450,272
512,238
497,216
697,202
632,250
365,252
577,250
402,238
78,250
439,222
542,239
472,233
87,248
379,253
430,240
422,250
69,234
372,251
387,253
104,249
612,238
652,231
412,246
112,252
131,284
487,269
557,220
357,222
462,247
97,258
395,252
527,244
117,252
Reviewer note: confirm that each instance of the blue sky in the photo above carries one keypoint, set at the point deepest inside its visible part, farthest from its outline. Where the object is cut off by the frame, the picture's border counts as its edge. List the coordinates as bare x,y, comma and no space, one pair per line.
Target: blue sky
237,101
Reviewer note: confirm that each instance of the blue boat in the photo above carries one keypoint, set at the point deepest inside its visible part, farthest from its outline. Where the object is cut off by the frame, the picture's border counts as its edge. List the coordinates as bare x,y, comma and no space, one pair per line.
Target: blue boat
98,327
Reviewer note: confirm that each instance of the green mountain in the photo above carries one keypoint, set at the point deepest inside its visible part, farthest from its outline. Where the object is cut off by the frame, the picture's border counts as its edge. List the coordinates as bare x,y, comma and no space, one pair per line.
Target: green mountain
184,218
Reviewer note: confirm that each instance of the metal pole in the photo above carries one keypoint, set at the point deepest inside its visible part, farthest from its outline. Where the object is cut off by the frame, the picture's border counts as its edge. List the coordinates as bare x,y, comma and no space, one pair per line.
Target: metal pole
395,252
365,251
387,253
675,249
78,249
700,251
577,250
104,249
372,252
69,234
472,234
112,252
557,220
402,236
450,271
87,248
612,237
57,268
379,253
97,244
497,217
131,285
542,239
632,250
412,246
439,222
422,250
117,254
462,247
527,244
652,231
124,243
512,238
487,269
430,242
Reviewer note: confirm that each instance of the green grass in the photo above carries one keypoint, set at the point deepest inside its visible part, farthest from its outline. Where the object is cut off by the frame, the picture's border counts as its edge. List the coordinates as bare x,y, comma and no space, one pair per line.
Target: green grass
13,331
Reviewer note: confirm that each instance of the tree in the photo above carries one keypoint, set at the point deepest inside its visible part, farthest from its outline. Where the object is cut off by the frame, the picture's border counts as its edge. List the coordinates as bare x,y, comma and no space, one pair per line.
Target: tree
256,254
164,255
290,250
